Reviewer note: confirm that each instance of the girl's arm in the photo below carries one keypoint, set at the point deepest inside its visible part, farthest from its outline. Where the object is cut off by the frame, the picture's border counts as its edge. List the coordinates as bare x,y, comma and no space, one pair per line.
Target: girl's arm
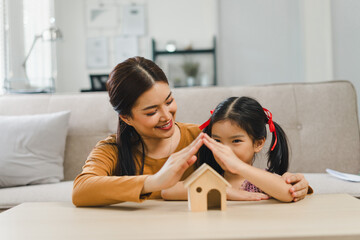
179,192
300,186
234,194
271,184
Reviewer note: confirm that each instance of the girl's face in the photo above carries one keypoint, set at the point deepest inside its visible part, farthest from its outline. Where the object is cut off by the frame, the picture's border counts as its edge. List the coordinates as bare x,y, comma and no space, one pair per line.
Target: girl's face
230,134
153,114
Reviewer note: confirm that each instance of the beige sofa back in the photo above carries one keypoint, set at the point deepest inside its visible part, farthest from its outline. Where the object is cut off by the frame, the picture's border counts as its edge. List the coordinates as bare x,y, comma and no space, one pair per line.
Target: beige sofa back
320,119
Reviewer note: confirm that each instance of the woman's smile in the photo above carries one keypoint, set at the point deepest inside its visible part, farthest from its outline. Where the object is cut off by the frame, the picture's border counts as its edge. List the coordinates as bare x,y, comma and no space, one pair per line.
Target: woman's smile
153,114
167,126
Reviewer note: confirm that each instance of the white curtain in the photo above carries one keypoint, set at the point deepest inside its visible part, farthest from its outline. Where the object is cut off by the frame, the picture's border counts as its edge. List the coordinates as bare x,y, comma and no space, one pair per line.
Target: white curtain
2,45
38,17
20,22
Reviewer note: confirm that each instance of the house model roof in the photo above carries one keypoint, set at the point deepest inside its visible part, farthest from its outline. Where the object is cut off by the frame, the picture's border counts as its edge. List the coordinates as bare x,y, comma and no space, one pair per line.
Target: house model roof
200,171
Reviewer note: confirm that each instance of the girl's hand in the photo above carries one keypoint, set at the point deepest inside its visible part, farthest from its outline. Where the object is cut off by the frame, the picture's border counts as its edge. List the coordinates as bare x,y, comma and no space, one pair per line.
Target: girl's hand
268,182
242,195
223,155
300,186
173,168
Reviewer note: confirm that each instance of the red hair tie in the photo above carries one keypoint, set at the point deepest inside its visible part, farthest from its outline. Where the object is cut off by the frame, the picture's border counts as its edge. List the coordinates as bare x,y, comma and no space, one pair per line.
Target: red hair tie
271,126
205,124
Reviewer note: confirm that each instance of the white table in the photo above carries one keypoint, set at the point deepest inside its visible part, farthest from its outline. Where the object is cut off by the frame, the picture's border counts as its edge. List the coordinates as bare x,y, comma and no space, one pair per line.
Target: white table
335,216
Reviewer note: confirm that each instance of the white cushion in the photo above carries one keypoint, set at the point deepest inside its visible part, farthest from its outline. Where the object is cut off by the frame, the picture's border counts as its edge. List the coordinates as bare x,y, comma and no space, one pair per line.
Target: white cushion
57,192
32,148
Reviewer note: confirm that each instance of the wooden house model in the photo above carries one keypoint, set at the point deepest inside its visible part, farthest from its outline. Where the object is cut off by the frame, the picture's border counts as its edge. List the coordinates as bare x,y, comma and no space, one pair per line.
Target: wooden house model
206,189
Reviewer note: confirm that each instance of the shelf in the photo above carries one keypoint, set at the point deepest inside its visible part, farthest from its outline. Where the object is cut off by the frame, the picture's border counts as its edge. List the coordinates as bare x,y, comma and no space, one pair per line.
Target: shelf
198,51
211,51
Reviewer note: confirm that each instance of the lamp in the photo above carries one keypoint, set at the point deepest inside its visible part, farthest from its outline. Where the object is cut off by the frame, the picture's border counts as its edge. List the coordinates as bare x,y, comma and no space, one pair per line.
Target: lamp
50,34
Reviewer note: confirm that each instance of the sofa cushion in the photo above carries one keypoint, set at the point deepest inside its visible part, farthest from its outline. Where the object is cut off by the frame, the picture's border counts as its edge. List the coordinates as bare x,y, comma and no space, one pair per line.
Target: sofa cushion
323,183
56,192
92,119
32,148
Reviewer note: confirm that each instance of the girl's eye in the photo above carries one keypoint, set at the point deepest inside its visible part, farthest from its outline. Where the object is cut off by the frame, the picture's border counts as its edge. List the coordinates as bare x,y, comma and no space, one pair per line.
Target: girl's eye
169,102
217,140
237,141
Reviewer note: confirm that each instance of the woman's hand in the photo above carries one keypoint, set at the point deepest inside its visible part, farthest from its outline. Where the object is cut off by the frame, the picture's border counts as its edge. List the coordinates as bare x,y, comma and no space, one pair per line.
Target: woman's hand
223,155
242,195
300,186
173,168
176,192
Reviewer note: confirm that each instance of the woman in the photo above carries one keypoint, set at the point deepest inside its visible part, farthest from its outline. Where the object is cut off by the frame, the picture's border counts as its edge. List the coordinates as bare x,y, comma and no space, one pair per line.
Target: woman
150,152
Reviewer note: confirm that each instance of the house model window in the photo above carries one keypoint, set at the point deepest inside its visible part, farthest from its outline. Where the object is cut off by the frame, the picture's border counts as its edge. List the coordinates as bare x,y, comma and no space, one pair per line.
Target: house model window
206,189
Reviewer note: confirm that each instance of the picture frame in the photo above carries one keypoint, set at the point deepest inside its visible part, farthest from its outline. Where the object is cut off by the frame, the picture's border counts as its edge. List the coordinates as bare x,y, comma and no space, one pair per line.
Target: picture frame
97,53
98,82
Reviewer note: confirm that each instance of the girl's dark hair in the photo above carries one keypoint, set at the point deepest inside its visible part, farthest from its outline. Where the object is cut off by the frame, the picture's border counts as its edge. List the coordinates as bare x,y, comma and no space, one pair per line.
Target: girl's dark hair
127,81
248,114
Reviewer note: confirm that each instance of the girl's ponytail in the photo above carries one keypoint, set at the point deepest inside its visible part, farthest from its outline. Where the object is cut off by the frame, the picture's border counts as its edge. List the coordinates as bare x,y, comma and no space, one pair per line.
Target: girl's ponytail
278,154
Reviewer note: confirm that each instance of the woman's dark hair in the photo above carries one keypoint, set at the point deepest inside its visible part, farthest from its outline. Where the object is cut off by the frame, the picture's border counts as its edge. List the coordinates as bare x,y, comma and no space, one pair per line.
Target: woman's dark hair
127,81
248,114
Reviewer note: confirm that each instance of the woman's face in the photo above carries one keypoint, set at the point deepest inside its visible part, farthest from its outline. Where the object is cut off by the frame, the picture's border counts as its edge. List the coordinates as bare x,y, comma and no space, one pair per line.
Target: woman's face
230,134
153,114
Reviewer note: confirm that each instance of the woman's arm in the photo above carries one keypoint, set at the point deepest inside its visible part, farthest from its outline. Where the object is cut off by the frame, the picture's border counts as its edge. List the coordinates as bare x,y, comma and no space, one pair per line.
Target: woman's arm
96,186
176,192
270,183
173,168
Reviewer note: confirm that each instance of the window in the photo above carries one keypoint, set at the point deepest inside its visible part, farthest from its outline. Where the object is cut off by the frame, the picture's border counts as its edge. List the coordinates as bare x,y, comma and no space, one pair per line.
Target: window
27,62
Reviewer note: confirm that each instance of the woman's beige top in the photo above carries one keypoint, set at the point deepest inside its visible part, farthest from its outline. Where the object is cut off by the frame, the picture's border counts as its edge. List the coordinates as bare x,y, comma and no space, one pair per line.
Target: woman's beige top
97,185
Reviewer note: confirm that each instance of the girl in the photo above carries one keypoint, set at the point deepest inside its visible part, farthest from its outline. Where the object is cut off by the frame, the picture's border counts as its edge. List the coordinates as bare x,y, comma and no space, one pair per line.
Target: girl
238,131
150,151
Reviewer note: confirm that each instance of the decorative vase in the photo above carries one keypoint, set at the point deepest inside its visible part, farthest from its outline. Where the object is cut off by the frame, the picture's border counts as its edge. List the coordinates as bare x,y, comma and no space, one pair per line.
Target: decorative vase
190,81
204,80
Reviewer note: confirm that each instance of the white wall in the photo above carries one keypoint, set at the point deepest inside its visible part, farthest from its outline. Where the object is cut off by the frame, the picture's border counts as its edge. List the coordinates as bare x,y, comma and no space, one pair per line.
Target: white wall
186,21
346,41
71,64
278,41
316,35
260,42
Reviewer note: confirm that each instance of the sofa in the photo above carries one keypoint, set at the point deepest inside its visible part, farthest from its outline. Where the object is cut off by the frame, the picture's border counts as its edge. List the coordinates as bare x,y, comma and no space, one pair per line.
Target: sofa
320,119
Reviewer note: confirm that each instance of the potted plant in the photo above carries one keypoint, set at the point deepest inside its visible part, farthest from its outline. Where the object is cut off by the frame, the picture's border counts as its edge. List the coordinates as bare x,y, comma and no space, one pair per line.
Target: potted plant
191,70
